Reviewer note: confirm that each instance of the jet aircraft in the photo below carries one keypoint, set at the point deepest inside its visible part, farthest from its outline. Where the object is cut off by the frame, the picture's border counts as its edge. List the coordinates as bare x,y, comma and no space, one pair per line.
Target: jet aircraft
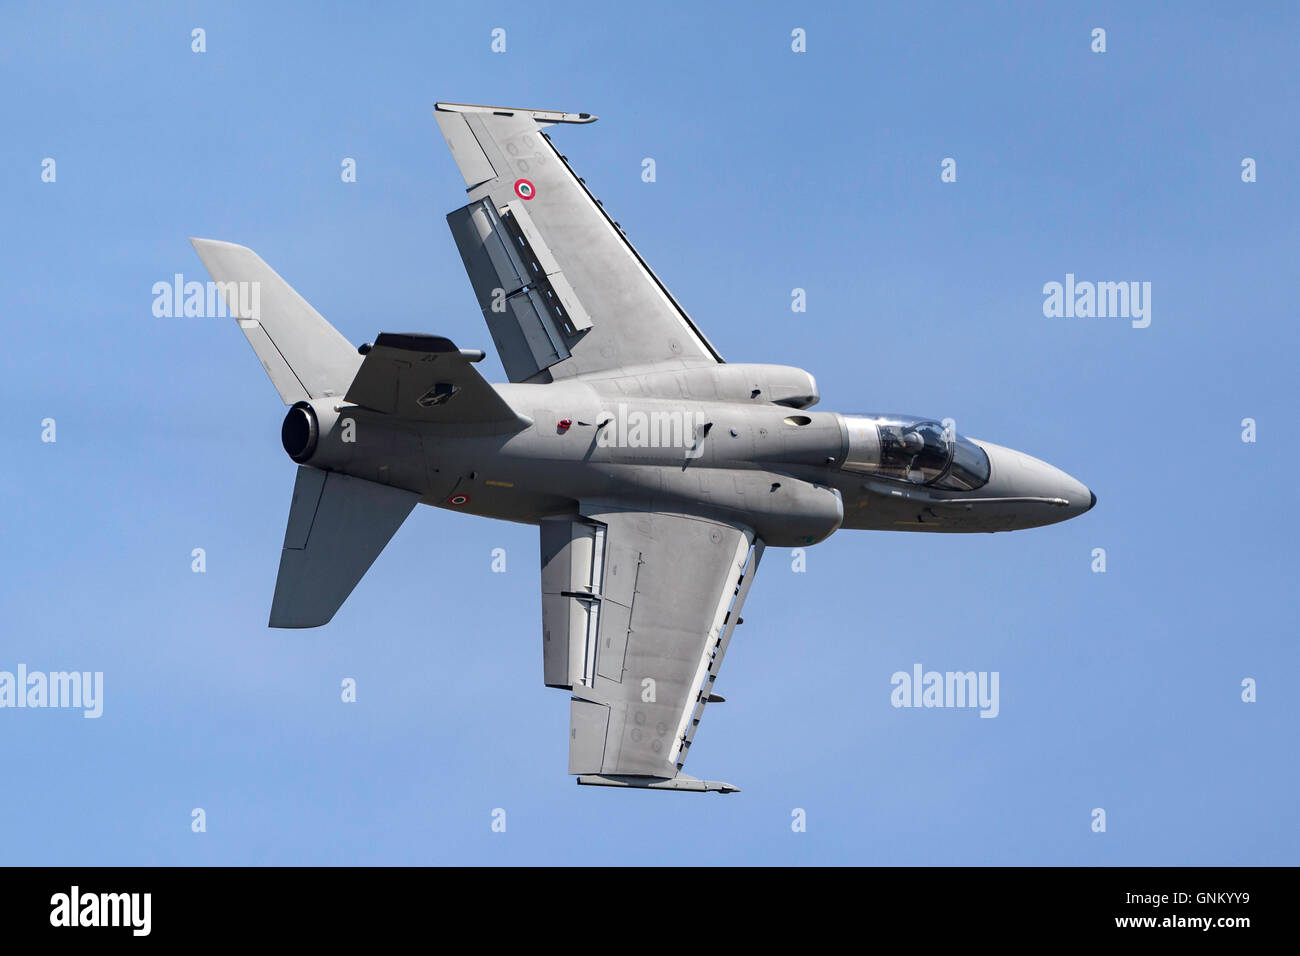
655,472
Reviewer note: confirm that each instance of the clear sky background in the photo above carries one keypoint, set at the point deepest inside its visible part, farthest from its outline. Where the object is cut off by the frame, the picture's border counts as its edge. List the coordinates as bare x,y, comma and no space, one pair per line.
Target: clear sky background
775,170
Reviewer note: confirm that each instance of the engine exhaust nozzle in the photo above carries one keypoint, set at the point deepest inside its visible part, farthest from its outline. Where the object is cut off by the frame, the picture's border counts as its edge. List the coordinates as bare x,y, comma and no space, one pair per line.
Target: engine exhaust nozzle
300,432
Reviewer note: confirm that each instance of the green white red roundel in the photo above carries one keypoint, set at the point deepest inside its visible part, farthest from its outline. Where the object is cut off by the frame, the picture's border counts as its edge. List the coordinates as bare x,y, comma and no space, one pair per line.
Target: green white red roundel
458,500
525,189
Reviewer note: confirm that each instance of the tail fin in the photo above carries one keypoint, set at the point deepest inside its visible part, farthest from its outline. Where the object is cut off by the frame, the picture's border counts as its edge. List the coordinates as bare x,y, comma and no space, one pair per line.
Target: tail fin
426,378
304,355
337,526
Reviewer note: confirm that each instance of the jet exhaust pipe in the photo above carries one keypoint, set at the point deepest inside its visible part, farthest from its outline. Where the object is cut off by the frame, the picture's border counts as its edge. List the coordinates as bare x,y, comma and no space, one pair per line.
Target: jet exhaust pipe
300,433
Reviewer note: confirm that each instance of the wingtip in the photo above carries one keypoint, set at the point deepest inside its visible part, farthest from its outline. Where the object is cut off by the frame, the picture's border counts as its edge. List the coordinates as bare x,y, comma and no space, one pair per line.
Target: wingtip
284,621
207,248
645,782
542,116
198,243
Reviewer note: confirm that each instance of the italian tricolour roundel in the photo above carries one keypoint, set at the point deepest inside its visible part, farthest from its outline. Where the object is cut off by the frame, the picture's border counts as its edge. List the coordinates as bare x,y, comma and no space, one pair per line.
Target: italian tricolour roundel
458,500
525,189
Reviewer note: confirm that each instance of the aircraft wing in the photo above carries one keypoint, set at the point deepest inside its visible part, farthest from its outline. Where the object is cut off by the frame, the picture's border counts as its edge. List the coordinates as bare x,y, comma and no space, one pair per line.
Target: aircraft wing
638,609
563,291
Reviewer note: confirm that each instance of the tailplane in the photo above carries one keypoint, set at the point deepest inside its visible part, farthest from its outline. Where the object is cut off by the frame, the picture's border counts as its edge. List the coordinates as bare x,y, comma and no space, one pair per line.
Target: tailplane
337,526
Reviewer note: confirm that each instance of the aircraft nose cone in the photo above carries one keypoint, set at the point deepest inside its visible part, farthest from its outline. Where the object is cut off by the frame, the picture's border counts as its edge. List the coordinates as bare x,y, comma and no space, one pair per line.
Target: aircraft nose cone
1093,502
1016,475
1079,495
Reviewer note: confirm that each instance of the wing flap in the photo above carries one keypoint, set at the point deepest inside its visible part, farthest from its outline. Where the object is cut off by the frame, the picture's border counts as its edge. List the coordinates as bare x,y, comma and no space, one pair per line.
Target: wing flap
531,309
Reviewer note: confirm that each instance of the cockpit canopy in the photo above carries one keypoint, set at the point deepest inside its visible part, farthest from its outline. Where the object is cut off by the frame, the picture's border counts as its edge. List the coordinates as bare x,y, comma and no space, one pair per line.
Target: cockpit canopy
919,451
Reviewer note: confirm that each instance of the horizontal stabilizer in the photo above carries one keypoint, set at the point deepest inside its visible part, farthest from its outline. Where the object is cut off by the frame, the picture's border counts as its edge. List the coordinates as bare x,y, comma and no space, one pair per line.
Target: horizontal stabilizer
304,355
425,378
337,527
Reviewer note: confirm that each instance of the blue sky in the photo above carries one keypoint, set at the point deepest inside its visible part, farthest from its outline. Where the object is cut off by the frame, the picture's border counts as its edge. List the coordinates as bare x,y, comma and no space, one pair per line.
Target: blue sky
775,170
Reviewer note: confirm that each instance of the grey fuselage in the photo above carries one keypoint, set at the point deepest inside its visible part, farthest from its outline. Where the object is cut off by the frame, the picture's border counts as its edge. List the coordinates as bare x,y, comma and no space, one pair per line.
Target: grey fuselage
654,442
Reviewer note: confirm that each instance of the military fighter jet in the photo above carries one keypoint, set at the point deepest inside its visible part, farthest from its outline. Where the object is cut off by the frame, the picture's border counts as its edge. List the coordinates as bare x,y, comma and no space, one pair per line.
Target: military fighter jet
655,472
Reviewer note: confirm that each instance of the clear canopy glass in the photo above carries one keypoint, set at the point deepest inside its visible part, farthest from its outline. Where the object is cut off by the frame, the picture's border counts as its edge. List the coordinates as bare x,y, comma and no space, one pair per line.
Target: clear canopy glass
919,451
